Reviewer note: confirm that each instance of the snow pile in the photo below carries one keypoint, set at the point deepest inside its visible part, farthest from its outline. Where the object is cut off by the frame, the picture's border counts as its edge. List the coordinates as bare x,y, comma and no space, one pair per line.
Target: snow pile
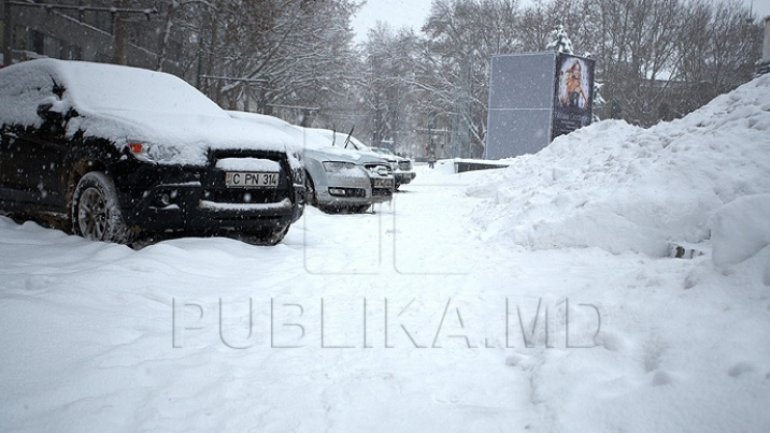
620,187
740,229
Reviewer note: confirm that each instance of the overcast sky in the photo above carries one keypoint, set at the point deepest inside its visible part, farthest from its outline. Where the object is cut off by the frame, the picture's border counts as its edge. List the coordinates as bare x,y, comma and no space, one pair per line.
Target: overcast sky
412,13
397,13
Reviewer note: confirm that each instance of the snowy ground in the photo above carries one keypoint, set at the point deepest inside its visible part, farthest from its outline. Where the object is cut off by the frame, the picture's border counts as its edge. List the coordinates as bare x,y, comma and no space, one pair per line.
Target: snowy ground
535,298
98,337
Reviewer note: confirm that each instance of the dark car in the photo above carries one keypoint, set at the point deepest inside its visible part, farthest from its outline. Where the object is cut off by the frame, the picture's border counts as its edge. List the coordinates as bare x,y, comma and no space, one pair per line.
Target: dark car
114,153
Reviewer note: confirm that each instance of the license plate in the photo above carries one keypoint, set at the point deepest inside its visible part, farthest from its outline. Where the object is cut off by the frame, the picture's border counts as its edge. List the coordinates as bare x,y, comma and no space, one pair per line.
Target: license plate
241,179
383,183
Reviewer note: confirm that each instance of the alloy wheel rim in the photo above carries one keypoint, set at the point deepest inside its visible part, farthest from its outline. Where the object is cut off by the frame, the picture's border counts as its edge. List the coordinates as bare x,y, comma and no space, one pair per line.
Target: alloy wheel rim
92,214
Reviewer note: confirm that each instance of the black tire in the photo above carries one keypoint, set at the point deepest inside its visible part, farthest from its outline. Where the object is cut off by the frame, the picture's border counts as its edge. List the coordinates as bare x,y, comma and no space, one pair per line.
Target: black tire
96,213
330,209
266,237
335,210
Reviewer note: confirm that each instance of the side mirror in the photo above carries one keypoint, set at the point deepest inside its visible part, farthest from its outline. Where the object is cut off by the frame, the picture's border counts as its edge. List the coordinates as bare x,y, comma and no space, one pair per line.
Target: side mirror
46,112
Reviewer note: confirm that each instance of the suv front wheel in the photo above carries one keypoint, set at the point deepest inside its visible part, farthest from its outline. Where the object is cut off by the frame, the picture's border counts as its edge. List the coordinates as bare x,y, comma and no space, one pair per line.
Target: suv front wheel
96,213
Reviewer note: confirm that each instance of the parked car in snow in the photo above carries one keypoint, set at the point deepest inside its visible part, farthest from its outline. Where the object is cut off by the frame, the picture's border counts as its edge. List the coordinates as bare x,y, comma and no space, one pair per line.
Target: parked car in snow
403,169
380,173
113,152
336,179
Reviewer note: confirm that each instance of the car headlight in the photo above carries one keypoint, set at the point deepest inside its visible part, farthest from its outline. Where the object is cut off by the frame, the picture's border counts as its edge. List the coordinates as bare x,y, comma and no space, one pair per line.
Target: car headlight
140,151
337,166
153,153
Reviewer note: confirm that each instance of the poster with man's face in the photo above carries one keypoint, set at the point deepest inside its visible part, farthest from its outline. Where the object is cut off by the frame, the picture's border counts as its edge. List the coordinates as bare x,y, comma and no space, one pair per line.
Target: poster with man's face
574,93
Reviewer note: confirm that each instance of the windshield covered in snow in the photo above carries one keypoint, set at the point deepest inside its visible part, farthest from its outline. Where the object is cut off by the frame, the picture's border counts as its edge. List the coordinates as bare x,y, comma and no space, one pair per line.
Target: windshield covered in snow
383,151
324,140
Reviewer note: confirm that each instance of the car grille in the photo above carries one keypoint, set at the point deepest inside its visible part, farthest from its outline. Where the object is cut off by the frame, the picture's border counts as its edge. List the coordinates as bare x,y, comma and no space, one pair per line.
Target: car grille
216,190
348,192
374,166
244,196
405,165
382,192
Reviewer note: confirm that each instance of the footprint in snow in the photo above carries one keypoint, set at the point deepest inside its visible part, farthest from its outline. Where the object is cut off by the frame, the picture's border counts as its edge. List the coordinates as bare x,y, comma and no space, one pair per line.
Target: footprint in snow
39,282
611,341
661,378
739,369
515,360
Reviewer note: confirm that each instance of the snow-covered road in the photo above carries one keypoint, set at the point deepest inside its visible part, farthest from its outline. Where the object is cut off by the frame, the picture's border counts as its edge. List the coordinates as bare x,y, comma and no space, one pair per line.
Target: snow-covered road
409,319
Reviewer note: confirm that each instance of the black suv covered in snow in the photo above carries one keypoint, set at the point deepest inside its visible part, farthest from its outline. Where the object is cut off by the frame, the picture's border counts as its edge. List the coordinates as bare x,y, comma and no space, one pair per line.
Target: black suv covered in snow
113,152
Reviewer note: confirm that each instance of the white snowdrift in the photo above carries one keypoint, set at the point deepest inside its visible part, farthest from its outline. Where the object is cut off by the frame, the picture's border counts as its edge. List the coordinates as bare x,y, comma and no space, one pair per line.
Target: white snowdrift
98,337
620,187
740,229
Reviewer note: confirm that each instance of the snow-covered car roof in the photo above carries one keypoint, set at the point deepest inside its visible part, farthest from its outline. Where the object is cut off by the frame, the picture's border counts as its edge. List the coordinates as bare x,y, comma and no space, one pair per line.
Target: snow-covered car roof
124,104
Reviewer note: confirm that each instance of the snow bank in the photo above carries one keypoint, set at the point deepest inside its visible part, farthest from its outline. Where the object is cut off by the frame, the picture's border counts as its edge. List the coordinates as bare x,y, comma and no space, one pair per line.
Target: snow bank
740,229
623,188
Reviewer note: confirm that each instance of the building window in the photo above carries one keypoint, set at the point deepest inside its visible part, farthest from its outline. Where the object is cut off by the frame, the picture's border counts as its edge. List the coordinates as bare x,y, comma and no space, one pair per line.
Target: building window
20,38
100,19
52,47
72,52
37,42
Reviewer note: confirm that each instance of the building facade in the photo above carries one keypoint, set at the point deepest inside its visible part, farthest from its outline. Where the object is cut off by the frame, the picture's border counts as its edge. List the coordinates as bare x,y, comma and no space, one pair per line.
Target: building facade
124,32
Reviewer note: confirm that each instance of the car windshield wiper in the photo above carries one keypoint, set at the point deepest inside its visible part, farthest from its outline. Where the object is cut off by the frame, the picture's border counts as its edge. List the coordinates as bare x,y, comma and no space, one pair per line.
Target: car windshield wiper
348,141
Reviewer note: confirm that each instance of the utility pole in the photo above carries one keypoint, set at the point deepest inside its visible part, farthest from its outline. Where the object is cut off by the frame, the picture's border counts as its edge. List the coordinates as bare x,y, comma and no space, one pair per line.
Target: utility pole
7,33
119,49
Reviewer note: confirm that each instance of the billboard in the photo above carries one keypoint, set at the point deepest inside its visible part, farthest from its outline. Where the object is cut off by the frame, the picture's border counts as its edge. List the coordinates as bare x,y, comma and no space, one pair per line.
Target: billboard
534,98
520,104
573,94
